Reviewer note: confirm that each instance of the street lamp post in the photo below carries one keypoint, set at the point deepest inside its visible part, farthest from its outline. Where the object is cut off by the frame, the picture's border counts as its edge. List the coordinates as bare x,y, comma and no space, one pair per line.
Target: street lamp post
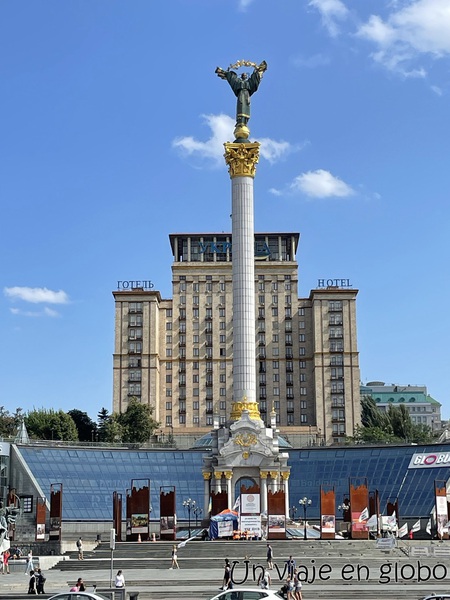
190,505
305,502
198,514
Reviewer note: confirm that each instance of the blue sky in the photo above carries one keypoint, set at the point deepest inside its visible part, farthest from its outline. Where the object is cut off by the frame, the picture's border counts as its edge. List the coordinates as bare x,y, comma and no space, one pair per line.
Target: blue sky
112,128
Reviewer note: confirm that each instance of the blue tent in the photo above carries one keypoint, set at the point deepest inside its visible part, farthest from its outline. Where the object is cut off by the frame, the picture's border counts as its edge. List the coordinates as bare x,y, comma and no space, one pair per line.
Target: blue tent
225,515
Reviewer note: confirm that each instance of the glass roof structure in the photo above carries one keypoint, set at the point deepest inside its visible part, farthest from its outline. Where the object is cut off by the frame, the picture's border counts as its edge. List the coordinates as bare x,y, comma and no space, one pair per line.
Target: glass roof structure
91,475
206,441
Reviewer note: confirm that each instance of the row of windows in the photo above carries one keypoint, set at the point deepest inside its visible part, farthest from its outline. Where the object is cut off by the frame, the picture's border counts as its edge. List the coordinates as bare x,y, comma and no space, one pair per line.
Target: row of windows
223,391
136,307
209,420
287,299
261,327
289,378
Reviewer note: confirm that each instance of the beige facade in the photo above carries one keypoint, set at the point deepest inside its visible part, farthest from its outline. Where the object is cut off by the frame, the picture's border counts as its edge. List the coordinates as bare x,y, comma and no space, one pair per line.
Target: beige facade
176,354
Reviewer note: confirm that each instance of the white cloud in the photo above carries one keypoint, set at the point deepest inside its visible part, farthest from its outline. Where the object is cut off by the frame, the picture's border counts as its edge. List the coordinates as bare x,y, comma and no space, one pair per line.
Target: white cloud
311,62
46,312
222,127
437,90
331,11
421,27
321,184
36,295
318,184
244,4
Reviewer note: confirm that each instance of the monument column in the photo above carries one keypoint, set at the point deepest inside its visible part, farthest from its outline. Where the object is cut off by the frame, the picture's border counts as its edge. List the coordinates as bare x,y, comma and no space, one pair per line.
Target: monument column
241,158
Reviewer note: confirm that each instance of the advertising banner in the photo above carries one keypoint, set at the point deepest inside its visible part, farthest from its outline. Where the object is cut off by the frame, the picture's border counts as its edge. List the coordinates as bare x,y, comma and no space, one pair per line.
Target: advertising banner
252,524
277,523
328,524
429,460
225,528
139,523
358,524
40,531
167,525
250,504
441,515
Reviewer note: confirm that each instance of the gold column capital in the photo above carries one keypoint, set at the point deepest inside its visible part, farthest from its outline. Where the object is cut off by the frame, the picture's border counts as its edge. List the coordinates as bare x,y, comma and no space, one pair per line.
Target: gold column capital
285,475
218,475
244,404
264,474
228,474
206,476
241,158
273,474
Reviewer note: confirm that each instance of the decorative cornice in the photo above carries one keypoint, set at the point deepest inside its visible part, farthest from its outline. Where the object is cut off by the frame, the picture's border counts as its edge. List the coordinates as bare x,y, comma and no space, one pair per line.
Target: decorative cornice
241,158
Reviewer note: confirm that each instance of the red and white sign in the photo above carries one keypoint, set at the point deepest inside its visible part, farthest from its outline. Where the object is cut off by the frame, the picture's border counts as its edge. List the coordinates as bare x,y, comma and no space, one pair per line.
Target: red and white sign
429,460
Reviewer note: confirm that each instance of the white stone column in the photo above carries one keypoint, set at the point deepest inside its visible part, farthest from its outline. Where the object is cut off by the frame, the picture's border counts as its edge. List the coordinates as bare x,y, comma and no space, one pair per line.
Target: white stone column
263,475
218,478
285,478
228,478
243,268
206,493
274,476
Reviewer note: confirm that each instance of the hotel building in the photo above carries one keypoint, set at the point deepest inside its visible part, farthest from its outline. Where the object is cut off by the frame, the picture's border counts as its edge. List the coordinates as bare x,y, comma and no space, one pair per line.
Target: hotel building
176,354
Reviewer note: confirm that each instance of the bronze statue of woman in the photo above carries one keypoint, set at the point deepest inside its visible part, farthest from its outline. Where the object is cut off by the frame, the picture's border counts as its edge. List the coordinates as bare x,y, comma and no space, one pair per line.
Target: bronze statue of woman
243,87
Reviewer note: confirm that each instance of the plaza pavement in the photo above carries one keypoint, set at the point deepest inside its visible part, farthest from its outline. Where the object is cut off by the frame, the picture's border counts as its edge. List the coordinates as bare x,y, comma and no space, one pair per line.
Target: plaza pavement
146,570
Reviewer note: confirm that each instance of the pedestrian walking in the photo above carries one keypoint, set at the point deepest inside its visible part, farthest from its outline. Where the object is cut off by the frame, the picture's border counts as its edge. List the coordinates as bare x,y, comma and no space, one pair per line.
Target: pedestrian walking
290,589
30,566
5,561
80,548
174,564
32,583
290,567
264,580
120,579
297,586
269,557
40,580
227,584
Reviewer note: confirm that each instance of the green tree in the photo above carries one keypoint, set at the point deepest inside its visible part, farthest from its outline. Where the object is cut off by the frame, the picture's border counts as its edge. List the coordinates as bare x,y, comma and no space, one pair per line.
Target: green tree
401,423
137,422
9,423
372,416
103,418
393,426
49,424
112,431
85,425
